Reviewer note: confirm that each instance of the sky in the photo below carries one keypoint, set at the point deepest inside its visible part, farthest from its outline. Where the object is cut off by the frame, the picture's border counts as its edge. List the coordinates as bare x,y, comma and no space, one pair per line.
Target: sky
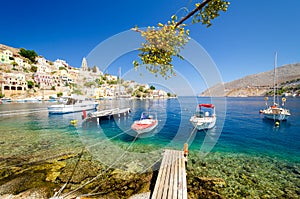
240,42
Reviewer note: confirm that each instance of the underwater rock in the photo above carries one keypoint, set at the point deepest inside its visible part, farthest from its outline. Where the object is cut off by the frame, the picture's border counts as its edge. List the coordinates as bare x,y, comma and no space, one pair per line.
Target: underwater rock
31,193
211,181
134,167
55,171
85,169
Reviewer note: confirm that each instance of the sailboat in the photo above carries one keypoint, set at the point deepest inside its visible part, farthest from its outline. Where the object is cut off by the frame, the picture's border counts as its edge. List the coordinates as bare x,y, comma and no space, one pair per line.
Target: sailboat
275,111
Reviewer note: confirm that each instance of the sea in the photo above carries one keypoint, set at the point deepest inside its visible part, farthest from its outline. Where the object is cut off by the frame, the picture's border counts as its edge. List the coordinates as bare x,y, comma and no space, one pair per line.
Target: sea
241,135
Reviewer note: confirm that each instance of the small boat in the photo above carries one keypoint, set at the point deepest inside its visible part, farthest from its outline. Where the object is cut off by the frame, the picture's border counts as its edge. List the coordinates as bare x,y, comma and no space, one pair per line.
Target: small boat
275,111
147,123
32,100
72,105
204,117
6,100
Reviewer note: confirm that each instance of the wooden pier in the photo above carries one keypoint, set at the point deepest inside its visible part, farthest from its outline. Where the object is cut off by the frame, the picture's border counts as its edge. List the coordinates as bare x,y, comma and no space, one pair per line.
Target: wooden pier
107,114
171,179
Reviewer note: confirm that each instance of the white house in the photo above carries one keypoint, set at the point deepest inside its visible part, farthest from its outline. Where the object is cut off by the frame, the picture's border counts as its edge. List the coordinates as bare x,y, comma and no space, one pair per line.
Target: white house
4,57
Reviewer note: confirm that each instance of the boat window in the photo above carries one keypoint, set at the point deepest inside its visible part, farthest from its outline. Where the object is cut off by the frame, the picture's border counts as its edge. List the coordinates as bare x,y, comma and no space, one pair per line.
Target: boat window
199,114
69,101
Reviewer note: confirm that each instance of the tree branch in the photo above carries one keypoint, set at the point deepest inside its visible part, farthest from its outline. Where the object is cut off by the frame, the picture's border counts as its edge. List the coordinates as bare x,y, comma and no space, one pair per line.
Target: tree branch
204,3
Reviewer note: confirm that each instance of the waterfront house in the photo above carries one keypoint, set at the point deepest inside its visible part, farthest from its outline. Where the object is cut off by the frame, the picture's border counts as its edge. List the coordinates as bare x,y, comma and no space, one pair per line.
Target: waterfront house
13,83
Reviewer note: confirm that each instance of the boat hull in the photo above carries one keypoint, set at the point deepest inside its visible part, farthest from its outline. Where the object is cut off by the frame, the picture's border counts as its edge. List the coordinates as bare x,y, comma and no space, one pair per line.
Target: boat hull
279,117
144,126
65,109
276,113
203,123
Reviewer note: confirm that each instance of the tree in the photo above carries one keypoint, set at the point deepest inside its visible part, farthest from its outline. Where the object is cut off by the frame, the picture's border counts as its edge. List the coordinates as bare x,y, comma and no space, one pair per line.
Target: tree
95,69
14,63
165,42
77,92
62,68
30,84
152,87
29,54
141,89
90,84
59,94
99,82
33,69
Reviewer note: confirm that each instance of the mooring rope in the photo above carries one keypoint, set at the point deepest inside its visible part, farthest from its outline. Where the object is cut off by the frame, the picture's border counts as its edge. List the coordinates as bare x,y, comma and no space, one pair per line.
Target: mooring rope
108,139
193,131
96,177
63,187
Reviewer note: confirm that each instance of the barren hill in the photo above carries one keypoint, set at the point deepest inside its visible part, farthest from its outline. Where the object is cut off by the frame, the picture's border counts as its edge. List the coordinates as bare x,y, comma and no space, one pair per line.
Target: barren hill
256,84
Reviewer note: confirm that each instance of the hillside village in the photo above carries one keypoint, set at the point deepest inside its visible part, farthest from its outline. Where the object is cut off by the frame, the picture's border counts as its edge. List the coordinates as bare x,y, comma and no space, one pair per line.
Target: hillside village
23,77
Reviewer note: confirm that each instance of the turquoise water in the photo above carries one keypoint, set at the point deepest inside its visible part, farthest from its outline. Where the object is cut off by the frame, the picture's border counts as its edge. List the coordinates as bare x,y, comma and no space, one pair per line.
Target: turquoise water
253,158
24,126
244,131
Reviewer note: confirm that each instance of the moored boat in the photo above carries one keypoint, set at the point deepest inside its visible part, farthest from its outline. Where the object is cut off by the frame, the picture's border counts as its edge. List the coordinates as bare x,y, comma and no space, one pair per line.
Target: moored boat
72,105
204,119
6,100
147,123
275,111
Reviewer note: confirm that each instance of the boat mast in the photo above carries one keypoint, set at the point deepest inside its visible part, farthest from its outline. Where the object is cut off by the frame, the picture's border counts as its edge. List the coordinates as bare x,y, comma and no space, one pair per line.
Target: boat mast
274,80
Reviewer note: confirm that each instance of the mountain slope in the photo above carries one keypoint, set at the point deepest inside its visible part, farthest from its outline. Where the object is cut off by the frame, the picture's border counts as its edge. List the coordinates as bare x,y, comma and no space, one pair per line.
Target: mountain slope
256,84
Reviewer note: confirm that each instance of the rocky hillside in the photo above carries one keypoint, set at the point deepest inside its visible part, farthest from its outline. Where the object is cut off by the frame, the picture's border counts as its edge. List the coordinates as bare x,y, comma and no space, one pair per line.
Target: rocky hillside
256,84
13,50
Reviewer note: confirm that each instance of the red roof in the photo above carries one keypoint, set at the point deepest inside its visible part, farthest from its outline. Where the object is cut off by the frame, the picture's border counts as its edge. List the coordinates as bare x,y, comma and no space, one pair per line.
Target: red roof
207,105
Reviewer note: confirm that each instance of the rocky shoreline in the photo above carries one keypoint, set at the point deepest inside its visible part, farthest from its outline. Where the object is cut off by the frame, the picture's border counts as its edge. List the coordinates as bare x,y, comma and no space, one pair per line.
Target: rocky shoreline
215,176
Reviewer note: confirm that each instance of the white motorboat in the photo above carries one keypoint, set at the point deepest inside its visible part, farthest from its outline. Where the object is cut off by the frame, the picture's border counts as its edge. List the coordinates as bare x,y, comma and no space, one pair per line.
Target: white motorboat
72,105
275,111
204,119
147,123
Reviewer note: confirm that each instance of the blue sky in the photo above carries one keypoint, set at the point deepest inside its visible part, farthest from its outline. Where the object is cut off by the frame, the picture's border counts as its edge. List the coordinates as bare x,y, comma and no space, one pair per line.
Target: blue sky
241,41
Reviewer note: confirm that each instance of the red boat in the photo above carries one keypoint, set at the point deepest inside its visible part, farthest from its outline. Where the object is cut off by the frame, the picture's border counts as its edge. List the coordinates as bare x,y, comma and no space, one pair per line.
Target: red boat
147,123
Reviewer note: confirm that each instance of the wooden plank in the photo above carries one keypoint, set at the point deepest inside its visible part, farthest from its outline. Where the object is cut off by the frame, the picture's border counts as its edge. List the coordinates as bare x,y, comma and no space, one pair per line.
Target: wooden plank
180,194
171,180
172,167
160,183
159,178
184,185
175,185
167,174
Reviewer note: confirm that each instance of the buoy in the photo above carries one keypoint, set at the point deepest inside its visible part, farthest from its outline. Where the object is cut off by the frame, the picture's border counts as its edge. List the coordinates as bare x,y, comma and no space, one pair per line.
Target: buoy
277,123
283,99
266,98
73,122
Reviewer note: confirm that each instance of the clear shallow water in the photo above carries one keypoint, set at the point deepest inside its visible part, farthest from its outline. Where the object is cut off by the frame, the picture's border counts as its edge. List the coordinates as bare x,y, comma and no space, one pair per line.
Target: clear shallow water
252,157
27,128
